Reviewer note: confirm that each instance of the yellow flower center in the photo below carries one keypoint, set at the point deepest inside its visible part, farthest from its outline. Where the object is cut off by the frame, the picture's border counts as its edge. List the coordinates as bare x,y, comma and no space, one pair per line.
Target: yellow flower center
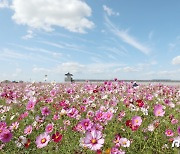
43,140
124,142
93,141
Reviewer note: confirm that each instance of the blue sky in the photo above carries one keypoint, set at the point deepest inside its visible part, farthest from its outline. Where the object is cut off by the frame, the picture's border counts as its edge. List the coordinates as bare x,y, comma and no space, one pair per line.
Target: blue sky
91,39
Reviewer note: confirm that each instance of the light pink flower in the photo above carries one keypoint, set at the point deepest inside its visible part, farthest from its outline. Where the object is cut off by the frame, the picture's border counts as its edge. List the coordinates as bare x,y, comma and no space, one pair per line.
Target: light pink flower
72,112
42,140
169,132
2,127
49,128
53,92
174,121
14,125
93,140
55,117
136,121
39,119
99,115
108,115
30,105
79,128
115,150
28,130
158,110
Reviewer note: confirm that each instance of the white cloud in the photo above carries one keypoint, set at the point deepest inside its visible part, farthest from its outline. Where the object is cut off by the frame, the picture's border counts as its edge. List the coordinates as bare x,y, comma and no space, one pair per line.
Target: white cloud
72,47
176,60
109,11
4,4
124,36
29,35
10,54
44,14
130,69
164,74
92,70
127,69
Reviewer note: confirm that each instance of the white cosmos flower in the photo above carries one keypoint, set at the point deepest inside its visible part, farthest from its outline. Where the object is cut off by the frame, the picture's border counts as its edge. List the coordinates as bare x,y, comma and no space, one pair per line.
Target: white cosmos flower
151,128
12,117
124,142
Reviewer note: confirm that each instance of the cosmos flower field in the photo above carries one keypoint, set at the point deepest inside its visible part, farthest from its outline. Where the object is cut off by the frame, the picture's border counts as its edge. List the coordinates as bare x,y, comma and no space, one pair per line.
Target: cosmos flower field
89,118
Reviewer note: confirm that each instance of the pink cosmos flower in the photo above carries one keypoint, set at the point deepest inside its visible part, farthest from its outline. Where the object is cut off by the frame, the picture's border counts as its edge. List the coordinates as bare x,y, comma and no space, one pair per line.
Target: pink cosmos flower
72,112
115,150
49,100
169,132
97,127
178,130
90,113
42,140
53,92
30,105
45,111
55,117
28,130
39,119
108,115
3,124
2,127
93,140
86,124
136,121
66,122
158,110
79,128
99,115
174,121
5,136
49,128
83,108
117,140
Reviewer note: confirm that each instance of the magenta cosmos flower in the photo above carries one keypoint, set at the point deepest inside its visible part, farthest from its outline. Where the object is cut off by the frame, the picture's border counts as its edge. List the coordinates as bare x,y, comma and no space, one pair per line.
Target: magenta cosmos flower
5,136
86,124
178,130
42,140
93,140
136,121
169,132
45,111
158,110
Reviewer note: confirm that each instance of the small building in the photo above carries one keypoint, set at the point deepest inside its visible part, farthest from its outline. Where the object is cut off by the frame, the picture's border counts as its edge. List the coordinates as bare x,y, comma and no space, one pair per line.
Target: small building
68,77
